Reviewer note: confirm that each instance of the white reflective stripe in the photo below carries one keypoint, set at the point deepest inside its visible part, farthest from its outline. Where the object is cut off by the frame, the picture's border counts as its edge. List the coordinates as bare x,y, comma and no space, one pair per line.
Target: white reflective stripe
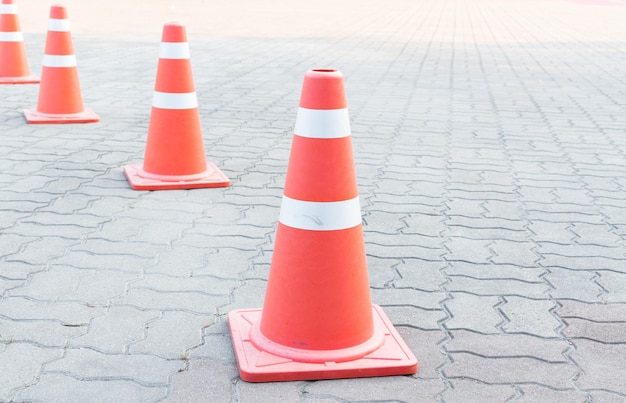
174,50
59,61
320,216
11,37
8,9
59,25
168,100
322,123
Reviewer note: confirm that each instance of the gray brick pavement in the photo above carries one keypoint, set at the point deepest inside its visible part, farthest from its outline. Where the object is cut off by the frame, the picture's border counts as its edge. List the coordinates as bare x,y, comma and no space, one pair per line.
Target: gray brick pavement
490,152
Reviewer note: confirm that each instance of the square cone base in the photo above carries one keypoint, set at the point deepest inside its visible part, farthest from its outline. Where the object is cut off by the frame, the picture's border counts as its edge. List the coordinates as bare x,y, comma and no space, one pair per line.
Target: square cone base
392,358
214,178
19,80
34,117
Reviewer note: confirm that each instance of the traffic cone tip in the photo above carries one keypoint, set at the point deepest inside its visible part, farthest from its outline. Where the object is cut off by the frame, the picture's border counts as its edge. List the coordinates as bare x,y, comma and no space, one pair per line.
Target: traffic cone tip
174,32
323,89
58,12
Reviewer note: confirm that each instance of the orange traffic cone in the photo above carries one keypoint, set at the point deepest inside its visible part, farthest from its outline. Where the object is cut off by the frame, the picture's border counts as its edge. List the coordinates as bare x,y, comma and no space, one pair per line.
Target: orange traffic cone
60,100
174,157
317,320
13,61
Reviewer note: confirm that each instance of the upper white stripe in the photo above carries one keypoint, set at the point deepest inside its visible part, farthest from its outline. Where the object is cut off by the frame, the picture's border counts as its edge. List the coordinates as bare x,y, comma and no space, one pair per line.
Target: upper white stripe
168,100
59,61
11,37
174,50
59,25
320,216
322,123
8,8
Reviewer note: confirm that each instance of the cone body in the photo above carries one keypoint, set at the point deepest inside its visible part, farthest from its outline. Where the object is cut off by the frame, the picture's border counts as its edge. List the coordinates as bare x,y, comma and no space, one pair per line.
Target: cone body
313,312
60,99
13,61
317,307
174,156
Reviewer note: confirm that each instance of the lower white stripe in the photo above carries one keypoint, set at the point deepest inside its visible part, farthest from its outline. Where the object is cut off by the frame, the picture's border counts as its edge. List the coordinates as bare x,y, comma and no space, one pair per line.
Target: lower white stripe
58,25
322,123
8,9
59,61
174,50
320,216
11,37
168,100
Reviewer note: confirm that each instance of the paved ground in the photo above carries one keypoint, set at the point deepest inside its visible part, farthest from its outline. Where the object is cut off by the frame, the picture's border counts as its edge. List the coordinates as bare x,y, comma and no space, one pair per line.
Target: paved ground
490,142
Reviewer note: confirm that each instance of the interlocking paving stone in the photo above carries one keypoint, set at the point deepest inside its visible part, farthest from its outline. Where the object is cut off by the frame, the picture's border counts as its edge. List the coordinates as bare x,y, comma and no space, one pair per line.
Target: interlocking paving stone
20,366
143,369
115,330
473,312
604,365
507,345
480,391
614,283
206,380
43,333
171,335
61,283
530,316
64,388
65,313
510,370
399,388
574,284
536,393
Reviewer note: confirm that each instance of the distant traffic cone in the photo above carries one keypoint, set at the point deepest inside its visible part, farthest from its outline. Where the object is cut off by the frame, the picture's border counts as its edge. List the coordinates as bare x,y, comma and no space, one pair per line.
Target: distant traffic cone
60,100
13,60
318,321
174,157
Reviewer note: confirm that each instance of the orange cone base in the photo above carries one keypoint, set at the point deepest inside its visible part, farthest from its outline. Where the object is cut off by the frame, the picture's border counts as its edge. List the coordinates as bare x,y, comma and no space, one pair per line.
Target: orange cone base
393,357
34,117
141,180
19,80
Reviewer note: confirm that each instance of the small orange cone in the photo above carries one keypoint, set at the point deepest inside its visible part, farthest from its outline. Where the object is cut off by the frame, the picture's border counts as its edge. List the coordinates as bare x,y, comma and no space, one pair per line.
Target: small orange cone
60,100
317,320
13,61
174,157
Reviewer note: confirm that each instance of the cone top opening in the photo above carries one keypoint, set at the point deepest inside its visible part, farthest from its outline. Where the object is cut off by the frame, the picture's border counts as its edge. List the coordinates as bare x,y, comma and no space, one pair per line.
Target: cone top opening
58,12
174,32
323,89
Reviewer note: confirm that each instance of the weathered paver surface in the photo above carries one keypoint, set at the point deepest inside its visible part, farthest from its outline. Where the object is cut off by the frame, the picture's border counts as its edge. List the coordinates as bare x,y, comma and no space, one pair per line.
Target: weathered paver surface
490,149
